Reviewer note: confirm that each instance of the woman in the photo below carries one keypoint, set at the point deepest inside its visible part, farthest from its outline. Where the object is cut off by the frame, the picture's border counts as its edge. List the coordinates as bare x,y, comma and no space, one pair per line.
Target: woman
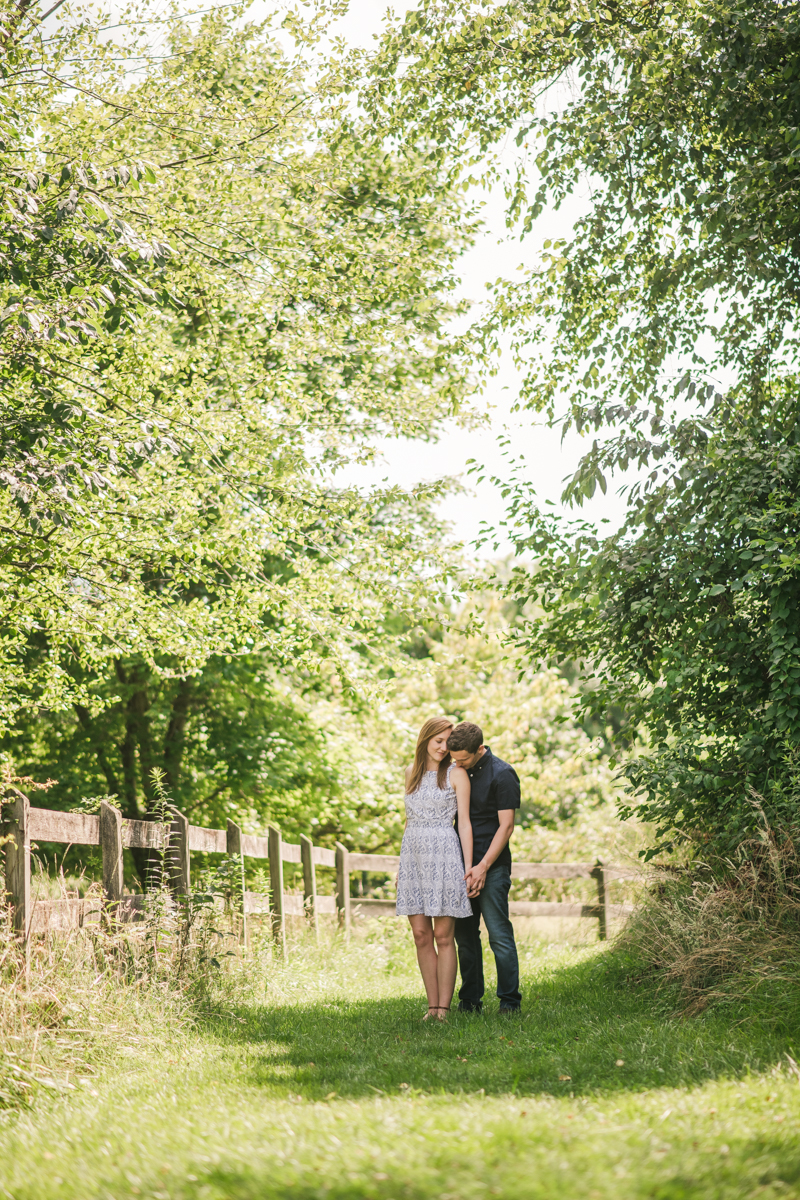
431,890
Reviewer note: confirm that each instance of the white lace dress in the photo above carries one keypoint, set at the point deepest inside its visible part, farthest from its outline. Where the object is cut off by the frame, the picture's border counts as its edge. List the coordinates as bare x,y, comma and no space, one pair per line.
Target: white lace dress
430,879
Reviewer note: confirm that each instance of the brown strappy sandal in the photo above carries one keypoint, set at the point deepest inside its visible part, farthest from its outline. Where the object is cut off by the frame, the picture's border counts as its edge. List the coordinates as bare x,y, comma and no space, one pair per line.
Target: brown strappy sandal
434,1010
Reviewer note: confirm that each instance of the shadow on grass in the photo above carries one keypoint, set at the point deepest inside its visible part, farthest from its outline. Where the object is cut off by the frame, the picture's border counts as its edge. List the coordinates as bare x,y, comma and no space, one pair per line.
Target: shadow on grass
751,1167
586,1029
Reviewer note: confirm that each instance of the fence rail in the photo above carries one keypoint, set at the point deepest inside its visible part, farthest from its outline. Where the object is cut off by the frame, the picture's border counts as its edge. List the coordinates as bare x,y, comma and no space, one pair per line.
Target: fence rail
114,833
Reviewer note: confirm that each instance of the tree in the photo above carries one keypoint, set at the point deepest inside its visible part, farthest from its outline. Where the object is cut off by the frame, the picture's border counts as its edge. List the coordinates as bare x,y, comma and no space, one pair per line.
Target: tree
241,739
237,736
689,615
681,123
215,292
211,732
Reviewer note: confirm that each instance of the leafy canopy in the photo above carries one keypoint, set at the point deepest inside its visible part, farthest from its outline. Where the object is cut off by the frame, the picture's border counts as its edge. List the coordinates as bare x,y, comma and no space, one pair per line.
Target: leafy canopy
215,290
679,121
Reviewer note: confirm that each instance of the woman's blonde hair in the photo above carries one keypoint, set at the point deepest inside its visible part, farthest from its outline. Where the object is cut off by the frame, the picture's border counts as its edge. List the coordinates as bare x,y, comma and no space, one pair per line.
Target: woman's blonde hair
429,730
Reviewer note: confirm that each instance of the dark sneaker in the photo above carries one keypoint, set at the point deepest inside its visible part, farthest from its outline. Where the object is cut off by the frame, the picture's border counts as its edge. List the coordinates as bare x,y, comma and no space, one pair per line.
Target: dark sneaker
507,1010
465,1007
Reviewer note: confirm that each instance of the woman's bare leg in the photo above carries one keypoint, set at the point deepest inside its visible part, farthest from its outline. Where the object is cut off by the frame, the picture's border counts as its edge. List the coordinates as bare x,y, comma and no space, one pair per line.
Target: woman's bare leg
444,935
422,929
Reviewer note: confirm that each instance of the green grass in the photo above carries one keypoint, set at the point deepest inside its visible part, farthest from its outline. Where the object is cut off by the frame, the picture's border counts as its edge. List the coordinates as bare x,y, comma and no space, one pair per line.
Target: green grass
318,1079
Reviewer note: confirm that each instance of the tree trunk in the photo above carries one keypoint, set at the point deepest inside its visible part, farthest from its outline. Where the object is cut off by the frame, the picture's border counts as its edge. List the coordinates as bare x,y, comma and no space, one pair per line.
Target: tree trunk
175,737
127,753
140,704
137,736
112,780
136,754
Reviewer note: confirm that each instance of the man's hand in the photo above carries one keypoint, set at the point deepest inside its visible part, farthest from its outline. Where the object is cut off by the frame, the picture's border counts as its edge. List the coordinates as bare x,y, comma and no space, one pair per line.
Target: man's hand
475,878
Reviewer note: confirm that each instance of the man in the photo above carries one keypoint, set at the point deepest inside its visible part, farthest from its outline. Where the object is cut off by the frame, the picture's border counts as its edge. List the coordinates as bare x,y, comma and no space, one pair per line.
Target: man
494,796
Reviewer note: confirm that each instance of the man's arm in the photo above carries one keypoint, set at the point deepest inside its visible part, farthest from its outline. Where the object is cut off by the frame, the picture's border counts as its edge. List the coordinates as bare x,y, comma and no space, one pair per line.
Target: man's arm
476,877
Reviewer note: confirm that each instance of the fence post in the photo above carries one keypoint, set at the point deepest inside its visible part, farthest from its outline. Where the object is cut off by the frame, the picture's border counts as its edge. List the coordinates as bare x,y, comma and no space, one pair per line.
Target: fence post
309,882
18,867
276,887
111,850
180,875
233,845
343,884
233,838
602,901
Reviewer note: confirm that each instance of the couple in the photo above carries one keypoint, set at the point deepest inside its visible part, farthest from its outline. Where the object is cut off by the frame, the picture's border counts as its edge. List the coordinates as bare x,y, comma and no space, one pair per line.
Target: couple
444,888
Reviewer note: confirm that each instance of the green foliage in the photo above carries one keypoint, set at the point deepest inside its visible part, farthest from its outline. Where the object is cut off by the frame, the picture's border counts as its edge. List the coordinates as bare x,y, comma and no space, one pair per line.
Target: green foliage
679,123
232,741
242,740
215,292
466,672
689,613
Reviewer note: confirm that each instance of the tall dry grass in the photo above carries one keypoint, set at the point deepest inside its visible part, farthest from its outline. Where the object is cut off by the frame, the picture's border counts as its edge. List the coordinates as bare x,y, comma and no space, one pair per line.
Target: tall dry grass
69,999
60,1010
727,931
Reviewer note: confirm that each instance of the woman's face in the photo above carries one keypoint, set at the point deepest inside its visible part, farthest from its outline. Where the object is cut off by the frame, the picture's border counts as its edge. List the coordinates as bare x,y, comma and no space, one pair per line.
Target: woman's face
437,746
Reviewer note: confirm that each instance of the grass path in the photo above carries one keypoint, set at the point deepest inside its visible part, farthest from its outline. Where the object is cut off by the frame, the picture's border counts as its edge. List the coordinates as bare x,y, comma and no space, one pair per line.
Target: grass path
330,1086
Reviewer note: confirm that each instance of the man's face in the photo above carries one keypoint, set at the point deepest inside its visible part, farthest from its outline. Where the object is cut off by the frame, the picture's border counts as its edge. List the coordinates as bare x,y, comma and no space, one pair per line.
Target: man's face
463,758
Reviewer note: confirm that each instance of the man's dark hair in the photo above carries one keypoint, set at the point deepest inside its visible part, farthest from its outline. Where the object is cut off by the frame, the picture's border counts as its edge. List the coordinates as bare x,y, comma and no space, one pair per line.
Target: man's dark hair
466,736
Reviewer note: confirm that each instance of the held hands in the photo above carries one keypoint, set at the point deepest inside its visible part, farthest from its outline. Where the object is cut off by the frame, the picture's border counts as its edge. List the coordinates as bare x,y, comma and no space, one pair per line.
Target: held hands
475,878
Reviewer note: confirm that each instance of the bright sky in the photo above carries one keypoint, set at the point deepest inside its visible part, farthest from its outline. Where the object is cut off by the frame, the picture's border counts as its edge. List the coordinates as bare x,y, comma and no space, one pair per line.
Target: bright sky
548,461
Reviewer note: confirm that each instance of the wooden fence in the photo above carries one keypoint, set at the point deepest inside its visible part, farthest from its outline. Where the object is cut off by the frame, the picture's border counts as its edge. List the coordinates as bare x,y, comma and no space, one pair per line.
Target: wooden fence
114,833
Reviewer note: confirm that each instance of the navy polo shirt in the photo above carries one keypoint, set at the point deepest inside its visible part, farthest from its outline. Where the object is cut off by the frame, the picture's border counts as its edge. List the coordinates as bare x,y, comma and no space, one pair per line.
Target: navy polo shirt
494,784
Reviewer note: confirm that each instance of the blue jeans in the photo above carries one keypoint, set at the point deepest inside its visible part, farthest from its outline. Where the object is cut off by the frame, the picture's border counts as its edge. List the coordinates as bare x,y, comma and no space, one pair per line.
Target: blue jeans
492,905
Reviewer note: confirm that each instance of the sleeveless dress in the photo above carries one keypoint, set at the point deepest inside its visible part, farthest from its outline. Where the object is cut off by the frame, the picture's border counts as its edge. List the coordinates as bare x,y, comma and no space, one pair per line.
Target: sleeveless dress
430,879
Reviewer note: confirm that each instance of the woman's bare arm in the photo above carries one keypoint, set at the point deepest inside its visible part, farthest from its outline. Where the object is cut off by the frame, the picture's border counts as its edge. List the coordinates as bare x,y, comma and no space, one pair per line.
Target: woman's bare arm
460,781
